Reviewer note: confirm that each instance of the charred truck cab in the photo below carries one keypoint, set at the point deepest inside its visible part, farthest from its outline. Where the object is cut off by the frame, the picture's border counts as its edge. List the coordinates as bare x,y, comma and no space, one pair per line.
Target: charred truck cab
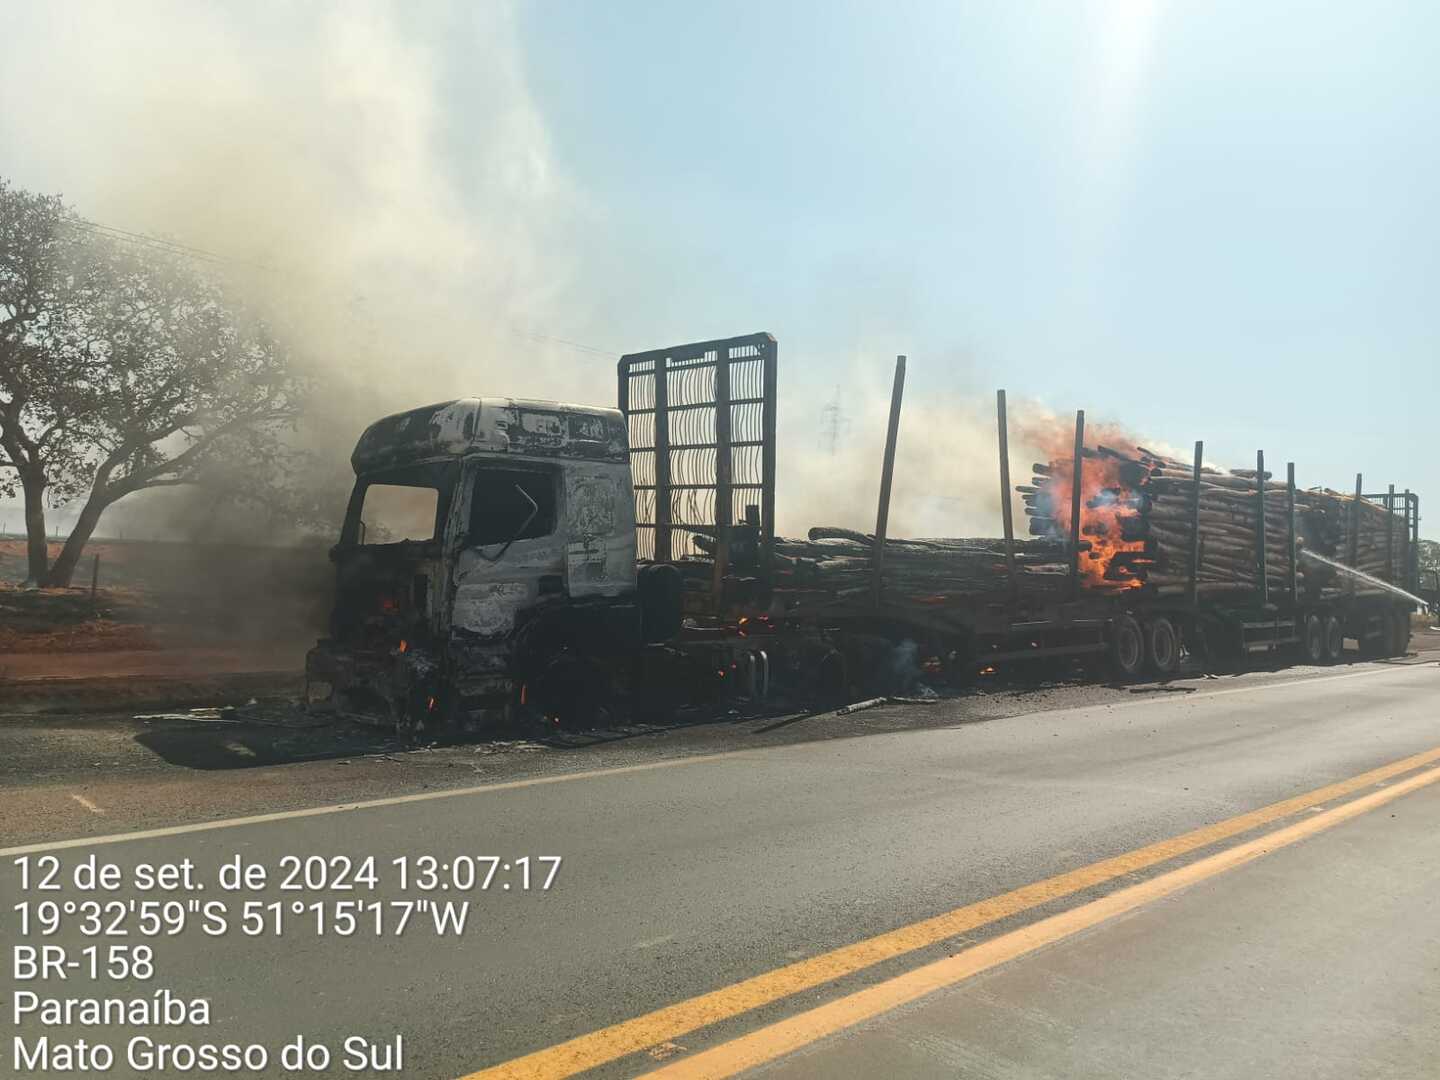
487,556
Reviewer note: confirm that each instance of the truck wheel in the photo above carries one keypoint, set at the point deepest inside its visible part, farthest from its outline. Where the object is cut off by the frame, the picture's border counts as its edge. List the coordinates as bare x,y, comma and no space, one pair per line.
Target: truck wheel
1314,639
1377,644
832,678
1162,646
1127,647
961,666
1400,642
1334,639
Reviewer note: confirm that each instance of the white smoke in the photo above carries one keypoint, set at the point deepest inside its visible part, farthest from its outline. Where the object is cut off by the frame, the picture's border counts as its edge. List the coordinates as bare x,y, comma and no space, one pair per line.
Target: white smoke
946,481
380,174
381,177
376,176
947,461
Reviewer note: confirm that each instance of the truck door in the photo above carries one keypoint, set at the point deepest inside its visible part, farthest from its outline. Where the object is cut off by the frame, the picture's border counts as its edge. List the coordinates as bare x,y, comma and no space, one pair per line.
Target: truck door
511,545
599,530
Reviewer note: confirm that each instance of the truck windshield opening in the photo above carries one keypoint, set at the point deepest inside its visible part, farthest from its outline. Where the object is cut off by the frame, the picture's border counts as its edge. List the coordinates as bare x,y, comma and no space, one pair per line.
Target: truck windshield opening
393,513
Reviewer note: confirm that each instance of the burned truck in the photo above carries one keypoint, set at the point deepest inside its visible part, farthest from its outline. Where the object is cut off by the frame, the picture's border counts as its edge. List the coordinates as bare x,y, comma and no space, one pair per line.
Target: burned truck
507,559
488,548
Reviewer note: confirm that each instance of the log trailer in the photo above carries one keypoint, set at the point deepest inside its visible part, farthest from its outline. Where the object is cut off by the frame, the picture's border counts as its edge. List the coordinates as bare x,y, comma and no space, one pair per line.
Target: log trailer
504,558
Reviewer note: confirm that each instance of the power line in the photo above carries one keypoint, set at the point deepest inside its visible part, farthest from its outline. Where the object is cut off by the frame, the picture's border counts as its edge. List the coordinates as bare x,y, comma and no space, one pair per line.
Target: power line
161,243
581,347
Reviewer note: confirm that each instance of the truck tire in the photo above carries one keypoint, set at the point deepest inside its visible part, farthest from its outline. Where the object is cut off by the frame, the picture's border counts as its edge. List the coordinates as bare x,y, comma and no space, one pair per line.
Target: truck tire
1400,641
1162,646
1334,639
1127,647
961,666
832,678
1313,640
1377,644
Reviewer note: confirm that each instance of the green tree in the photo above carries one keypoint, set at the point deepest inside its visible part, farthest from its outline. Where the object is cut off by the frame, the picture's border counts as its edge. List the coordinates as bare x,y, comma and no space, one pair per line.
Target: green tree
1429,555
124,368
46,281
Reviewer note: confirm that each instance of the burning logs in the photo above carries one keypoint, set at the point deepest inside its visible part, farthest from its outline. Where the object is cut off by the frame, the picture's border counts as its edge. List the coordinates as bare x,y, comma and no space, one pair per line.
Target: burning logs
1138,513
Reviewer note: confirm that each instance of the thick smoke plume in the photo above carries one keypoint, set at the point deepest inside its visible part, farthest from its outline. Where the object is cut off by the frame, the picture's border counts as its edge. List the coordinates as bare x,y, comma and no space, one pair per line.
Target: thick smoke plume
946,473
408,251
381,184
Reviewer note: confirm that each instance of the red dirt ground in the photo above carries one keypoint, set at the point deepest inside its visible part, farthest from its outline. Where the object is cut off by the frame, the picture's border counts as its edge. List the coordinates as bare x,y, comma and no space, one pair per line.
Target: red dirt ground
163,609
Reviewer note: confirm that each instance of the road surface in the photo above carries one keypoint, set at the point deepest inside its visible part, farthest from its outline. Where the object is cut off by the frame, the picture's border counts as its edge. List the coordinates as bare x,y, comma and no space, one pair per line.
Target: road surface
1188,881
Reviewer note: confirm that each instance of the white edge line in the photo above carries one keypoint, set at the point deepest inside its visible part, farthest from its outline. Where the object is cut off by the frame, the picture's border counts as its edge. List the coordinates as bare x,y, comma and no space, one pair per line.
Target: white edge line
587,774
368,804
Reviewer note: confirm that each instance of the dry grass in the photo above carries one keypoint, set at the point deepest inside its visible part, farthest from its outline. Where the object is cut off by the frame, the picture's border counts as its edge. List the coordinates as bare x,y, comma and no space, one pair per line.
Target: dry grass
94,636
169,595
67,620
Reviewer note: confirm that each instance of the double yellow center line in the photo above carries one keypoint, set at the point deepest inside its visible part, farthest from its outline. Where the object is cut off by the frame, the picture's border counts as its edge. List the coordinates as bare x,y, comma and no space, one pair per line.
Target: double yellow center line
673,1021
786,1036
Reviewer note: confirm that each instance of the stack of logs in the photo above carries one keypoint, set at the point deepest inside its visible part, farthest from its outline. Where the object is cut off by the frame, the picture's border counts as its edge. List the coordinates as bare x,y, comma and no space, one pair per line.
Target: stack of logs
839,562
1138,515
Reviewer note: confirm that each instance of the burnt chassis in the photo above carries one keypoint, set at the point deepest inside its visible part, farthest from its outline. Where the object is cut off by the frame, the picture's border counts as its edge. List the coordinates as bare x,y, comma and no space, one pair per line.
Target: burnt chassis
571,663
1130,636
417,666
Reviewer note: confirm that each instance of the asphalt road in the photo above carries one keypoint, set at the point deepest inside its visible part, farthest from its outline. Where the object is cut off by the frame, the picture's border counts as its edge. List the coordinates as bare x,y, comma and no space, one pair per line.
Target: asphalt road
686,871
1320,961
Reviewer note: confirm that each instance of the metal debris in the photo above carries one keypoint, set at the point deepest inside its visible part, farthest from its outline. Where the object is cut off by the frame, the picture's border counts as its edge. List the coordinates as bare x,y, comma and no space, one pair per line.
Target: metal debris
207,715
923,696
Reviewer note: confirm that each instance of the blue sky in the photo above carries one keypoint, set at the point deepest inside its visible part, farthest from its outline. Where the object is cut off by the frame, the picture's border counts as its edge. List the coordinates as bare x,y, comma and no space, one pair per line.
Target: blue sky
1197,220
1204,220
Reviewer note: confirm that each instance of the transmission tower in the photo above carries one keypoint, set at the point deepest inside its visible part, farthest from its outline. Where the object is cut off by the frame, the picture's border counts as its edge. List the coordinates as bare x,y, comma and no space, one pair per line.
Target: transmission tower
833,423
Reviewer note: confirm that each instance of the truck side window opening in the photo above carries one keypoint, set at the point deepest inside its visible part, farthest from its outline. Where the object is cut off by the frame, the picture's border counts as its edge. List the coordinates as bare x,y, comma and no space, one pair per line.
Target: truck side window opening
392,513
511,504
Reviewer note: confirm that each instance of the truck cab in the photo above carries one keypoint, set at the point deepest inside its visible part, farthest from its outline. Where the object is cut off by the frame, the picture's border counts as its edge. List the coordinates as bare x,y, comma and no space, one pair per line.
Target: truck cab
486,541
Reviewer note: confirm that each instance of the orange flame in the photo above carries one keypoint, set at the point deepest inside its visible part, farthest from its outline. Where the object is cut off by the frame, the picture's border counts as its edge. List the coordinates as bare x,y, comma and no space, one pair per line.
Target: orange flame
1103,508
1105,502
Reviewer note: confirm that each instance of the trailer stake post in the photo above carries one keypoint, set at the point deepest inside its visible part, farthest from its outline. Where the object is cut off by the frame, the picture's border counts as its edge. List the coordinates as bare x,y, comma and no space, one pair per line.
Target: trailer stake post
887,475
1260,562
1390,535
1006,511
767,474
1077,470
724,495
1290,530
1412,541
664,549
1355,528
1402,555
1193,593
